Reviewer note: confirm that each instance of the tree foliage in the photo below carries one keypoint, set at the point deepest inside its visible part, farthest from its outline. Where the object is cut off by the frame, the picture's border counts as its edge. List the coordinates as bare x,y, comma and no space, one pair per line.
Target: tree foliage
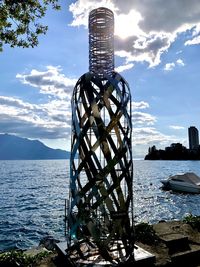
176,151
20,21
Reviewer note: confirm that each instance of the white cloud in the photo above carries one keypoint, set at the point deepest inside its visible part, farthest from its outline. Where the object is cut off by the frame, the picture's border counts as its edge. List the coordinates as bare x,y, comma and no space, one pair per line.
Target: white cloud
194,41
140,105
51,81
176,127
145,134
196,30
169,66
143,48
143,118
81,9
124,67
196,36
17,103
149,136
172,65
180,62
144,137
51,120
148,27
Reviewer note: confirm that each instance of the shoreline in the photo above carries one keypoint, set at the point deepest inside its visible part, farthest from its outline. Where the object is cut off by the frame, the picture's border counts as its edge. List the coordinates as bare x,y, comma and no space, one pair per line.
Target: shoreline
174,243
178,244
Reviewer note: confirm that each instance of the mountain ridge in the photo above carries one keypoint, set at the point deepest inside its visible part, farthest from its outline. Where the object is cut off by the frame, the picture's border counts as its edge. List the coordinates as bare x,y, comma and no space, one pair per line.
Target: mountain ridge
13,147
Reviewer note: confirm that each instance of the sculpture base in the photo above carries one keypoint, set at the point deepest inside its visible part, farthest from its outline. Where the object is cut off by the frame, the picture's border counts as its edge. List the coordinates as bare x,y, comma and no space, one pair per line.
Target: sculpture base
92,258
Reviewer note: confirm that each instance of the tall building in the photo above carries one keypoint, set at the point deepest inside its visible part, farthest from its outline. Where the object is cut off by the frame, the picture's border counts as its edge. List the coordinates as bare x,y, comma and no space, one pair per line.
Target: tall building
193,134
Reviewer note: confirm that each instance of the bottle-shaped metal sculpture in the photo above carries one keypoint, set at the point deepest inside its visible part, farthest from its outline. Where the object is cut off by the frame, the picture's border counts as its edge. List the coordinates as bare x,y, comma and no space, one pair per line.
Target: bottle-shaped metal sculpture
101,193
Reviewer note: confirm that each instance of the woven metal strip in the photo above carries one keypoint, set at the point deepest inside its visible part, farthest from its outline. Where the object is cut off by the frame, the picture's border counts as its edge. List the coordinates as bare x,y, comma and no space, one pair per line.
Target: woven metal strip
101,41
101,162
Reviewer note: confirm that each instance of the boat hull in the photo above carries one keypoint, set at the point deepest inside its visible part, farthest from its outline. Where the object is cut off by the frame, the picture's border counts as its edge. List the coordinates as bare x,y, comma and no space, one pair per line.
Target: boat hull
181,187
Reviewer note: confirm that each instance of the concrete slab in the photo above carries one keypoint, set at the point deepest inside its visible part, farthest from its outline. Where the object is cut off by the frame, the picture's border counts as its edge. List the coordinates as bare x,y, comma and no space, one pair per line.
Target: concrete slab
186,257
61,248
142,257
175,242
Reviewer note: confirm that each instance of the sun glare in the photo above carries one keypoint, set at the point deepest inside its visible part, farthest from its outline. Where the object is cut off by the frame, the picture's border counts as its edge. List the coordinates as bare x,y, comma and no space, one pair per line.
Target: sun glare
127,25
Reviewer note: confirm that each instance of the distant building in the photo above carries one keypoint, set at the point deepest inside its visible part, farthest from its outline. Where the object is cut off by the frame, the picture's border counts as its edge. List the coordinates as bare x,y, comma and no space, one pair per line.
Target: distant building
193,135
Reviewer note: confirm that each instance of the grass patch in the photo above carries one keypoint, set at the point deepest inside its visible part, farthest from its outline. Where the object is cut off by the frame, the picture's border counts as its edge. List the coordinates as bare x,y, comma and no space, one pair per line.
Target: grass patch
193,221
15,258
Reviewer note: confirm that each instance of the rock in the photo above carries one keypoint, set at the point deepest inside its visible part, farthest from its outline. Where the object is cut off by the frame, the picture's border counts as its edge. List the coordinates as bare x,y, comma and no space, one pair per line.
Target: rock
35,251
49,242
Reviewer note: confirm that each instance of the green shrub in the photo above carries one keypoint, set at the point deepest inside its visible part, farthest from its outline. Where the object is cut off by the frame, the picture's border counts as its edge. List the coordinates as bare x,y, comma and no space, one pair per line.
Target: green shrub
145,233
15,258
193,221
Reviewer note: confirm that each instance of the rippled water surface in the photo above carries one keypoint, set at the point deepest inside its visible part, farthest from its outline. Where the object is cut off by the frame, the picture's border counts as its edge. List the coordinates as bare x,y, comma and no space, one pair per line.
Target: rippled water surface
32,195
151,202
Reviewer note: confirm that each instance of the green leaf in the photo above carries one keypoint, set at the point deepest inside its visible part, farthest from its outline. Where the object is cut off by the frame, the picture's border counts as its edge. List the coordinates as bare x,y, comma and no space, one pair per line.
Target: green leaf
19,21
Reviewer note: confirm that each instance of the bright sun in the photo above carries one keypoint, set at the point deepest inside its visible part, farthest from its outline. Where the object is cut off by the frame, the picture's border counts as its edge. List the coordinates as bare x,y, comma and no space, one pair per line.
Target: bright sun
127,25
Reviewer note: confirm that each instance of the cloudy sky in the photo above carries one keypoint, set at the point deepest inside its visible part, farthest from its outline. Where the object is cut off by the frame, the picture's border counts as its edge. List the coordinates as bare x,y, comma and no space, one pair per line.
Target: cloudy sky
157,50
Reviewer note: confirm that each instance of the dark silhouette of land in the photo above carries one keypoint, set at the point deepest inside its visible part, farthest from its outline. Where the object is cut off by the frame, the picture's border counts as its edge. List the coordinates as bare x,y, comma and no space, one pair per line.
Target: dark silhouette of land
15,148
175,151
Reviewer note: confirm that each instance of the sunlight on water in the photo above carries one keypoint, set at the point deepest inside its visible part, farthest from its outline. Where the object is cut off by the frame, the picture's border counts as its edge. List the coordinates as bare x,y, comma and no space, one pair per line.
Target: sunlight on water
32,195
151,203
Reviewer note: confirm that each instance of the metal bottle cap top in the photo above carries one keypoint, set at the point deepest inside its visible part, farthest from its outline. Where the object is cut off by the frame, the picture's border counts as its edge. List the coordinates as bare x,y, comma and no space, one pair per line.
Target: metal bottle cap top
101,41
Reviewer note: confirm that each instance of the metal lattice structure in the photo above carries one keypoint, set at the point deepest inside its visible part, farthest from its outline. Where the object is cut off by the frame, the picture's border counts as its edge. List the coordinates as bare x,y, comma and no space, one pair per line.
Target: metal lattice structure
100,217
101,41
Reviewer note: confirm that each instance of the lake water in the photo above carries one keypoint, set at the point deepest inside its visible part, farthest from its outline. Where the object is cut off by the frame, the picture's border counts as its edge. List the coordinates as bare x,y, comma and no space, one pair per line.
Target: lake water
32,195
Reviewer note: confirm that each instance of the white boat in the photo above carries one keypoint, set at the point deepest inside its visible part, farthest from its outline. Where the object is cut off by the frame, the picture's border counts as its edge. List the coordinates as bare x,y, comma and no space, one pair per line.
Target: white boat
187,182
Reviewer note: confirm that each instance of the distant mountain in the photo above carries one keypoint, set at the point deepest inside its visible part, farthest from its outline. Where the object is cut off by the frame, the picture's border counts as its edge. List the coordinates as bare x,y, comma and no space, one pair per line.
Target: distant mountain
13,147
